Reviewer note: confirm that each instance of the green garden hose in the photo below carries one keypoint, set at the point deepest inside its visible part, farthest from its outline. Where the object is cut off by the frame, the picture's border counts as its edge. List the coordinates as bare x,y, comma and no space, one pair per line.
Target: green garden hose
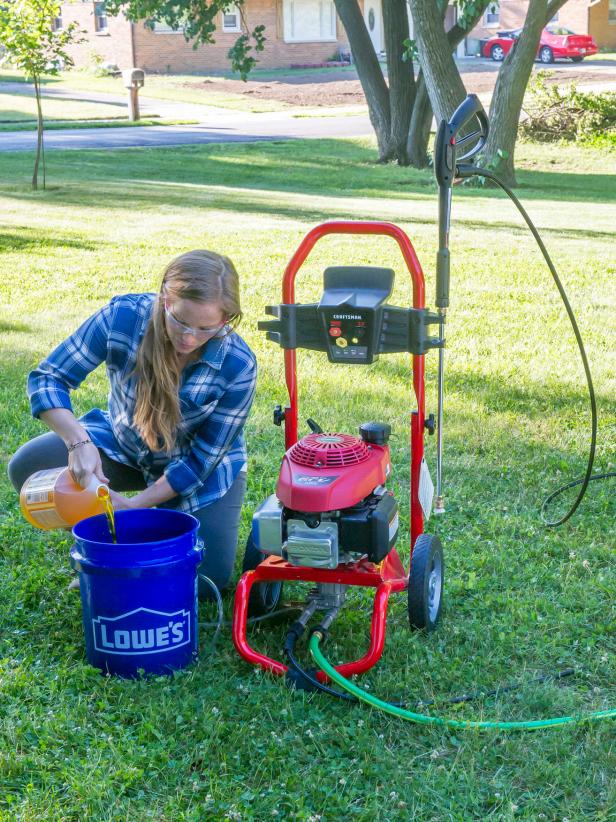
459,724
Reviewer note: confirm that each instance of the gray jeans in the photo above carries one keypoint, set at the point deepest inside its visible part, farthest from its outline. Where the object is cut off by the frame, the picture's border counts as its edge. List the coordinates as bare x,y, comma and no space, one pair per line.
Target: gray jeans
218,522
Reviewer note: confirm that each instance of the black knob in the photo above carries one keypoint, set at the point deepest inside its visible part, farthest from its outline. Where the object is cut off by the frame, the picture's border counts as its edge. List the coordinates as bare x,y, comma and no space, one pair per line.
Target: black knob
376,433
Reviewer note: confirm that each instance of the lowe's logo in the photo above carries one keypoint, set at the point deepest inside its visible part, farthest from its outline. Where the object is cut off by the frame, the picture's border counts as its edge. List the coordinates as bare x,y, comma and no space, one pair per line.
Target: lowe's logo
142,631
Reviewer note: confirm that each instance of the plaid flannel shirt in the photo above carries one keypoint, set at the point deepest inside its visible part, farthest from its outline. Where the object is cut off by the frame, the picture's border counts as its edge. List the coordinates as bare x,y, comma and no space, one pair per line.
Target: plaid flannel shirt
216,393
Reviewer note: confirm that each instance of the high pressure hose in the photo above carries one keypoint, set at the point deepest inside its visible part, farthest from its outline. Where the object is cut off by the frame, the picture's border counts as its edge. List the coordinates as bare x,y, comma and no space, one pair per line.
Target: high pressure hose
458,724
447,169
466,171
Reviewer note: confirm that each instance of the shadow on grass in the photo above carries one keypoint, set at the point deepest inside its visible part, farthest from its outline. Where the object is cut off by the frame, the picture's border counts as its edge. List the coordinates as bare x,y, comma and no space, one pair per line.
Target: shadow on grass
31,238
325,167
331,168
9,327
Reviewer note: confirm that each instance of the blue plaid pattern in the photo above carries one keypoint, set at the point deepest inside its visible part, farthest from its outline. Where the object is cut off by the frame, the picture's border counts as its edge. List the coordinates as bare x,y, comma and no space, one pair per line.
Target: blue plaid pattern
216,394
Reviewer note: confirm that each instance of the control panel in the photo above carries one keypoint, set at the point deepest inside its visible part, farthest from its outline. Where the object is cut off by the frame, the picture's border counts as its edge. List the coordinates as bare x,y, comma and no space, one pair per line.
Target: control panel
348,335
351,311
352,322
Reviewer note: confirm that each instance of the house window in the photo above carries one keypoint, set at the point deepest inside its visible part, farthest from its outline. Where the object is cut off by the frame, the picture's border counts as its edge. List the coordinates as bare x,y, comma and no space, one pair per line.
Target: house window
611,14
100,18
309,21
56,23
160,27
492,15
231,20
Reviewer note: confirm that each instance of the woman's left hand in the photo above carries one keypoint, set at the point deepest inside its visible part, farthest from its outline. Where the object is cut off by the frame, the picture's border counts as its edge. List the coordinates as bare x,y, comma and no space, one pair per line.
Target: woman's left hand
122,503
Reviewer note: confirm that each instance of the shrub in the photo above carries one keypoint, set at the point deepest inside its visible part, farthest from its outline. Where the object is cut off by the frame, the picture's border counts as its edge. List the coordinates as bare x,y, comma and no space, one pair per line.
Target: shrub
554,114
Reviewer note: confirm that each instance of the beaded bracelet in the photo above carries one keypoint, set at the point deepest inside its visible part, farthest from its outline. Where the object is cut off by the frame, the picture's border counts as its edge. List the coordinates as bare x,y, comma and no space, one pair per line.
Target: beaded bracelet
77,444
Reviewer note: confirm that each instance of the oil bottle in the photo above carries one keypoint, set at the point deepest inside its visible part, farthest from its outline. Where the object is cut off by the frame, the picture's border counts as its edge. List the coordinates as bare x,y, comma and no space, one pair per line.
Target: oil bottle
52,499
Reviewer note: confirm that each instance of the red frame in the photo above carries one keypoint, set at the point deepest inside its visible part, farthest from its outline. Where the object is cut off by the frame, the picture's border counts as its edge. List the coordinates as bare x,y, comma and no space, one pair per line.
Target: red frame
389,576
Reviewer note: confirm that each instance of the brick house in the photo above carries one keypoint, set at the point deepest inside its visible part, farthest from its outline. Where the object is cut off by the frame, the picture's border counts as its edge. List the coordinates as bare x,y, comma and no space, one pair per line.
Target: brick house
297,32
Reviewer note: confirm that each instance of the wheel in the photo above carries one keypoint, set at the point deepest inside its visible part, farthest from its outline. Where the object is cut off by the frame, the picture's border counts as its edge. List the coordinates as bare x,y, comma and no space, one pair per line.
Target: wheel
497,53
546,55
264,596
577,59
425,590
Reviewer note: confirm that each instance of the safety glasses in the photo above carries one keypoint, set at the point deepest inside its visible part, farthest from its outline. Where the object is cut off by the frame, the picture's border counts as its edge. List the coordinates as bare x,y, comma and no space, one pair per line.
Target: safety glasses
200,334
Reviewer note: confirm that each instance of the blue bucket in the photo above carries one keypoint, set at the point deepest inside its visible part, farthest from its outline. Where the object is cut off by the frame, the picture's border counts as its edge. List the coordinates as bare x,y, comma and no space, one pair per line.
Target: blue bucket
139,596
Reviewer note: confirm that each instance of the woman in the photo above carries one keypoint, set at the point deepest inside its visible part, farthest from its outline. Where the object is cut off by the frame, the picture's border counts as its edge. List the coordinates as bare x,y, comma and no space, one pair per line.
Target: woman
182,382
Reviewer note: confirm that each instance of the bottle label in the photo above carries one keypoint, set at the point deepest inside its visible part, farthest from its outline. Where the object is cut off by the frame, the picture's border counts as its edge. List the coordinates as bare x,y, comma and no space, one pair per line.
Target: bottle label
40,486
36,497
48,519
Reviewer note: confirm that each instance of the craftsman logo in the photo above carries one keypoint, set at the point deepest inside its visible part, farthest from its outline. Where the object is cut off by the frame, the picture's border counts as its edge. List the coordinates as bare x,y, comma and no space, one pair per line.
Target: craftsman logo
347,317
306,479
141,631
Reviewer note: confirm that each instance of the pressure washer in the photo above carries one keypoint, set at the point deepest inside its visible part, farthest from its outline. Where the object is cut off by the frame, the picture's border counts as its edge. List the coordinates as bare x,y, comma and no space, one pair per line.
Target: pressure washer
332,521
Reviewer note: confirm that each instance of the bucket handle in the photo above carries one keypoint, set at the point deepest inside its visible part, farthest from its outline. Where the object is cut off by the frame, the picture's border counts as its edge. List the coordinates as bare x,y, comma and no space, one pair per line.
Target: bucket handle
200,547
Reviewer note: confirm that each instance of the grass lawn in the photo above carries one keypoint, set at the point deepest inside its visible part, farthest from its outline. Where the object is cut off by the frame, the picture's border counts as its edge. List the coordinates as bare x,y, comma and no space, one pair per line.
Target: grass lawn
178,88
220,740
16,108
18,113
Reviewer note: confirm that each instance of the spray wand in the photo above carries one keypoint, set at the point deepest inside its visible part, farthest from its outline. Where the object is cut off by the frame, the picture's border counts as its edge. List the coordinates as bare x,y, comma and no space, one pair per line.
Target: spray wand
446,148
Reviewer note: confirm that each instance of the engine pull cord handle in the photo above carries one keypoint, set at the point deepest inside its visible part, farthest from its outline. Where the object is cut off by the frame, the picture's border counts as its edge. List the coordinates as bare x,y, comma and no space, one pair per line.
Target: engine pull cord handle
446,148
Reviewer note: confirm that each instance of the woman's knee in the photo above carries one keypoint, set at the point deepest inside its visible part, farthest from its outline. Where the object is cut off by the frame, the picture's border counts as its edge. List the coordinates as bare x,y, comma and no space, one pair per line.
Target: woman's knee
44,451
15,471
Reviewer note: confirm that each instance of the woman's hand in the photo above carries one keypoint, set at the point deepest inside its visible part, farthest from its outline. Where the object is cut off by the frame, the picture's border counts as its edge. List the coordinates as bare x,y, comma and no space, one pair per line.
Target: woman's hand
84,462
122,503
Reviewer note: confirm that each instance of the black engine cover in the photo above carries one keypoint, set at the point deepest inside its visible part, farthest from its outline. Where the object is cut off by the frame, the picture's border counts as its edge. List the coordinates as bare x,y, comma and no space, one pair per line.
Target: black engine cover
370,527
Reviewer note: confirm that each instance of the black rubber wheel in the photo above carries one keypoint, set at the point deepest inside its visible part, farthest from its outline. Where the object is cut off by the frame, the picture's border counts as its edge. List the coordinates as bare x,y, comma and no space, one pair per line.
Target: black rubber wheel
425,591
264,596
546,55
497,53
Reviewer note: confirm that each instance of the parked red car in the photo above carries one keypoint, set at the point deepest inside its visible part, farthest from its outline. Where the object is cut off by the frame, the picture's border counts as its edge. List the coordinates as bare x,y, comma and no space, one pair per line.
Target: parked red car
556,41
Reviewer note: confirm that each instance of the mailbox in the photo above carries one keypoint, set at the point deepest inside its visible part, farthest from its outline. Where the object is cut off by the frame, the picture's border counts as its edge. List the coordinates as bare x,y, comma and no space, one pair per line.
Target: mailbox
133,78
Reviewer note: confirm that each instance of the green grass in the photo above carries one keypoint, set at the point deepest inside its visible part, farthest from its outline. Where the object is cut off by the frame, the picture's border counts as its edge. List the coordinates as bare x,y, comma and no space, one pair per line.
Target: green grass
18,113
69,124
17,108
221,740
177,88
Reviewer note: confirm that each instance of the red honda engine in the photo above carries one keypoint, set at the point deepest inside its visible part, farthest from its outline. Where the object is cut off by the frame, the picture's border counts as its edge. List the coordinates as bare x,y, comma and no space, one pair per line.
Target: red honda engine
331,504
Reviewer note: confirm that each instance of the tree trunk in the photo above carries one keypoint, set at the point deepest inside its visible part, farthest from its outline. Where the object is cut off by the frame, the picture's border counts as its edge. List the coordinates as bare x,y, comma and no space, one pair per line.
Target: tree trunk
421,122
400,75
370,74
39,132
445,87
498,154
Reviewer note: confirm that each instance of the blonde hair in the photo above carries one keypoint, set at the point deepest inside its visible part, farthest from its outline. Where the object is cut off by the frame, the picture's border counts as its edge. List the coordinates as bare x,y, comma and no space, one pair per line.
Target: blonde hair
201,276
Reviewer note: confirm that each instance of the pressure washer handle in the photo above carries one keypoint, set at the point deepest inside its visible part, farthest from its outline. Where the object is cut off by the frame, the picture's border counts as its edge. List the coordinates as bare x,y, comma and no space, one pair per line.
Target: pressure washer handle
446,148
448,144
